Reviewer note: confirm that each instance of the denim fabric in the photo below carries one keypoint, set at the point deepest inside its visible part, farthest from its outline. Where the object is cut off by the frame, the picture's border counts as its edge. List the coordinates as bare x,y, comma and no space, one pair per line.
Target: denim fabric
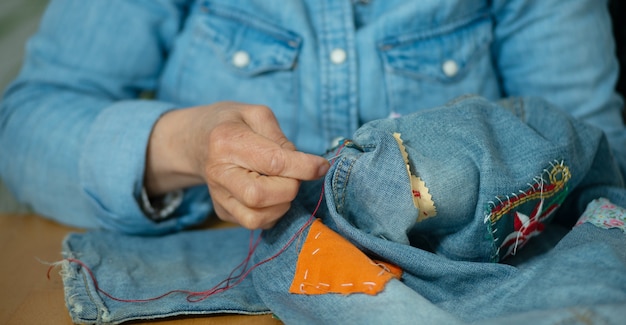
584,271
449,275
134,268
475,157
397,304
369,202
73,133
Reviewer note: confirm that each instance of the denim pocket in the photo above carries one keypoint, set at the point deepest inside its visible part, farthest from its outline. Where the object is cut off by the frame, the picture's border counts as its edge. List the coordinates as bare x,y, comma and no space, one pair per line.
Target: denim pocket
228,54
248,45
431,67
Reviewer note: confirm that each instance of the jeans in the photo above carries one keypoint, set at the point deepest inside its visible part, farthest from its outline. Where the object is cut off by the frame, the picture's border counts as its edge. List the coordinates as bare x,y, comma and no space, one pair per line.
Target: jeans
499,240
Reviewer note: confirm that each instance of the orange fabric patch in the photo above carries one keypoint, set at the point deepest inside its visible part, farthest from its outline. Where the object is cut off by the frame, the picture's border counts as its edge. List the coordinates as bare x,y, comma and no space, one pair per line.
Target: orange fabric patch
328,263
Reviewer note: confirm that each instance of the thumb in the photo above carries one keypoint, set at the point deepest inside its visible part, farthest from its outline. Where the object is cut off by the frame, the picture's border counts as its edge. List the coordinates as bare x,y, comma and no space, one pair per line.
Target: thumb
294,164
276,155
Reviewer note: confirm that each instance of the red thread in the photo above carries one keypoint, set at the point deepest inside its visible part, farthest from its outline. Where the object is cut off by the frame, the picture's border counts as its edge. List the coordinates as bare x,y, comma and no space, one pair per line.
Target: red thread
228,283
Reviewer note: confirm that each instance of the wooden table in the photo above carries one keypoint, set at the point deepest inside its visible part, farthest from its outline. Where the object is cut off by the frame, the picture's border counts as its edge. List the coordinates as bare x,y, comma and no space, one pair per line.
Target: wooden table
28,297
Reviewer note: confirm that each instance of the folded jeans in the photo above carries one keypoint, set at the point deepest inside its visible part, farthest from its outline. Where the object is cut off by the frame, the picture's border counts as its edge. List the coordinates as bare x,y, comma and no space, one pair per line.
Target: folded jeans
496,175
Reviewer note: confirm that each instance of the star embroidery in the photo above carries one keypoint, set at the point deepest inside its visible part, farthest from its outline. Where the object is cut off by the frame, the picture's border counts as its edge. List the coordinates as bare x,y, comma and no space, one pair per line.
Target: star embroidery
527,227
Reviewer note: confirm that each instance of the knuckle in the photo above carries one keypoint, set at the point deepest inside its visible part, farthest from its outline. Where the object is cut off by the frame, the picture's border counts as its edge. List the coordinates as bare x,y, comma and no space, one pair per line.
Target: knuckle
277,162
264,218
252,195
221,140
293,192
259,112
286,144
290,190
250,221
222,213
218,138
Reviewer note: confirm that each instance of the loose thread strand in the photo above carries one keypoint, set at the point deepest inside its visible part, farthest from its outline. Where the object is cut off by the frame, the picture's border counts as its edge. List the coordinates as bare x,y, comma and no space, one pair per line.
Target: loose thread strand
232,280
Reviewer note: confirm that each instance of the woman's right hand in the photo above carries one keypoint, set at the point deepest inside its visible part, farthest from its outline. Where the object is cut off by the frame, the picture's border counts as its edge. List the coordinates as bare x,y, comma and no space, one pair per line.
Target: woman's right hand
252,170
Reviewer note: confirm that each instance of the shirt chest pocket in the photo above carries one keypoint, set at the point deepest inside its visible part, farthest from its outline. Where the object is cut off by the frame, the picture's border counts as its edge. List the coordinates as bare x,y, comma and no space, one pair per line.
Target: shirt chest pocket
433,67
232,55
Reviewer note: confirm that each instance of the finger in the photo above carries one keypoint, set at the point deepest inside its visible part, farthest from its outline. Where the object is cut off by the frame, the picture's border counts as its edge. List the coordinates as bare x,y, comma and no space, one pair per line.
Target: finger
259,218
221,212
265,157
258,191
299,165
231,210
236,143
263,122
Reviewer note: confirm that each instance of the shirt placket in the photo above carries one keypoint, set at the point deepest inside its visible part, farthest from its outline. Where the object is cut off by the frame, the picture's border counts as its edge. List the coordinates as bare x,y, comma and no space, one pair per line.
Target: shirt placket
338,69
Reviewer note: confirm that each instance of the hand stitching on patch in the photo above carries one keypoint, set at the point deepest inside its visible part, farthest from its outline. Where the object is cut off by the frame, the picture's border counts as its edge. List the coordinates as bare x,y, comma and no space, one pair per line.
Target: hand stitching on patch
328,263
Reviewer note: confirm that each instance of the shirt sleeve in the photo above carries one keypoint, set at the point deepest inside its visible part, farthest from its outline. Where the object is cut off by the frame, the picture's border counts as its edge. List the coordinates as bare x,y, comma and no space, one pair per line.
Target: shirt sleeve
564,52
73,133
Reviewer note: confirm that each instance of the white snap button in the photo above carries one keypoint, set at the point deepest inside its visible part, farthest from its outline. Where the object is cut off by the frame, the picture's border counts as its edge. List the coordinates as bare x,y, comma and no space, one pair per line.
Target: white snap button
338,56
394,115
241,59
336,141
450,68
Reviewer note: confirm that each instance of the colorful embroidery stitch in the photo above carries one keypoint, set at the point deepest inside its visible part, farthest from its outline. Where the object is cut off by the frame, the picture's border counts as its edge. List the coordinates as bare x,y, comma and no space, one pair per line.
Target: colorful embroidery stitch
517,217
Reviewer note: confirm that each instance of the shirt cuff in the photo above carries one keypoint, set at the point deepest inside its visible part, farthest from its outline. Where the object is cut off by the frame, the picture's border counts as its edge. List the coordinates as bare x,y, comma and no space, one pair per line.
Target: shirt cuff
112,166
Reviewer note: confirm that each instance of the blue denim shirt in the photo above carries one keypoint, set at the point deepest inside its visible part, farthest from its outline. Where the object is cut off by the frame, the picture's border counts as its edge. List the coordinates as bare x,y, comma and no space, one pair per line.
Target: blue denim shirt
74,130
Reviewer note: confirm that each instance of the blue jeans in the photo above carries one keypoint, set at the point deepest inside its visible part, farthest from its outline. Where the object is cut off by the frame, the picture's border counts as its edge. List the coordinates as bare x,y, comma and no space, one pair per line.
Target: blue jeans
494,177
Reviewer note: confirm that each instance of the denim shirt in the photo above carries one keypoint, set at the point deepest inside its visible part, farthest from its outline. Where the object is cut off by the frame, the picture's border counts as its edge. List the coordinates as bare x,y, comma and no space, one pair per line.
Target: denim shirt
75,130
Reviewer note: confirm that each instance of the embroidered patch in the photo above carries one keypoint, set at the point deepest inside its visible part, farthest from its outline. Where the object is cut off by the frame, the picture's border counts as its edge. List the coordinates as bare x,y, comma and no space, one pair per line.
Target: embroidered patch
328,263
604,214
517,217
421,198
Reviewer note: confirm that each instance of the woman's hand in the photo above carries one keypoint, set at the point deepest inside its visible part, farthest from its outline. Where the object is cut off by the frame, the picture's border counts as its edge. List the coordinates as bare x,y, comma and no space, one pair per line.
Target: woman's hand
253,172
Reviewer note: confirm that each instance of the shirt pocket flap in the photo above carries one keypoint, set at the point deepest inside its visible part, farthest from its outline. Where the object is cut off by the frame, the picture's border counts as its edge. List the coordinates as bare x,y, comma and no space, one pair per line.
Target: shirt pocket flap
444,55
249,45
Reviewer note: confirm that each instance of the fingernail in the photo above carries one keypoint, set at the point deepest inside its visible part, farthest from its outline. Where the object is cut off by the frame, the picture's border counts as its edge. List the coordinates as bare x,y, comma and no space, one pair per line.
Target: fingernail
323,169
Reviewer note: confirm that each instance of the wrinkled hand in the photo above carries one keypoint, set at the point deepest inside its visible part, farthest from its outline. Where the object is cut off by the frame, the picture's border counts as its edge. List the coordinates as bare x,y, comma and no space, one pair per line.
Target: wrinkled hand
253,172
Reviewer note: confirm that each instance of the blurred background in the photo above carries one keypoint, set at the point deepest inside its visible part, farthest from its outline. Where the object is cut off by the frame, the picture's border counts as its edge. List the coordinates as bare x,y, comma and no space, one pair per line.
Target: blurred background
18,20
